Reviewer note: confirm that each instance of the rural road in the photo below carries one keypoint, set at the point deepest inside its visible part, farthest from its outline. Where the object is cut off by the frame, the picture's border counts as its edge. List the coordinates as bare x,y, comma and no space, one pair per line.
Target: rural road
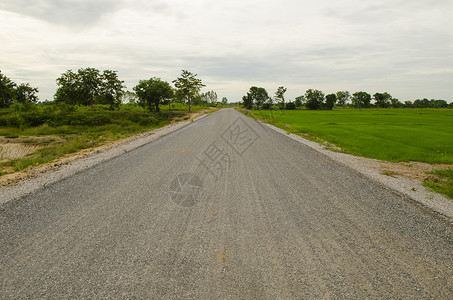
222,209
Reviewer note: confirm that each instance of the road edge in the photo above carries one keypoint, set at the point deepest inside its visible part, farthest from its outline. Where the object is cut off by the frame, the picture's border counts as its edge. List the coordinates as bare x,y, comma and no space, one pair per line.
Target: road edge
411,189
87,160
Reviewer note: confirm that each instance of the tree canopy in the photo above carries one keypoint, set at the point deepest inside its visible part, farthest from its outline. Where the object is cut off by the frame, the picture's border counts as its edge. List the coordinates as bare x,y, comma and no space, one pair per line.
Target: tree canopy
382,99
343,97
331,99
88,86
280,96
188,85
210,97
257,95
361,99
153,92
11,93
314,99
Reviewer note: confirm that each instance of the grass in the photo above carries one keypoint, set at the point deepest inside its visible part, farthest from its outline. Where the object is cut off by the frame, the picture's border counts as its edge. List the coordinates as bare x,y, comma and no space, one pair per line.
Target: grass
394,135
62,137
444,185
72,139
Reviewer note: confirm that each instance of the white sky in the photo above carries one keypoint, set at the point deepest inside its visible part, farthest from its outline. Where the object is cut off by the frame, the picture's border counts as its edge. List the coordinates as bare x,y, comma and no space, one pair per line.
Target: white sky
404,47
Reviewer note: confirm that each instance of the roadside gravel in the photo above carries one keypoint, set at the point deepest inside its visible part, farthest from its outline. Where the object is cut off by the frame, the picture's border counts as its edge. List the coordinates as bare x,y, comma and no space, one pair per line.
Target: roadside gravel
411,189
40,178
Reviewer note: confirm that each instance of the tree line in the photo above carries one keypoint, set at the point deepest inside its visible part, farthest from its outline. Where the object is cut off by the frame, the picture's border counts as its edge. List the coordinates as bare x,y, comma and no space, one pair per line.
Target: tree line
11,92
89,86
258,97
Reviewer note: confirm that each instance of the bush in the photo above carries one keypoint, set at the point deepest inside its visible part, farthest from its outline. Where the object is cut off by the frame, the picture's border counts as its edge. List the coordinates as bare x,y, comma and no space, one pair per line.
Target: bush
35,118
12,120
290,106
88,118
149,121
267,106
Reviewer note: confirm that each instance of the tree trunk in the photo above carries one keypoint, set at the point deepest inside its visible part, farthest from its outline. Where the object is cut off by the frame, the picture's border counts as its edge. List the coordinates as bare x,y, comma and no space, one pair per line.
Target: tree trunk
189,102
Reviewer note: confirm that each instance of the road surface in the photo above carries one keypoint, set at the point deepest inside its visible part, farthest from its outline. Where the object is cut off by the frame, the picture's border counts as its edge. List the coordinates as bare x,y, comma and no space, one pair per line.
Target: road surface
224,208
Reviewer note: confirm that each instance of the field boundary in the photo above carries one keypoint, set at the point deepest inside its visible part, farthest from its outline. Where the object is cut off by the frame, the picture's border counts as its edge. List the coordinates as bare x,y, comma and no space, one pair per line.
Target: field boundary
370,168
66,167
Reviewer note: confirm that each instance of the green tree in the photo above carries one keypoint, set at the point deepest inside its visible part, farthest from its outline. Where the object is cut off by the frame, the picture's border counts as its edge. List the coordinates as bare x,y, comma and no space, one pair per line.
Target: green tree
259,95
88,86
224,101
26,94
247,101
361,99
280,96
7,91
210,97
91,84
343,97
331,99
188,84
111,89
129,97
395,103
314,99
299,101
153,92
69,88
382,99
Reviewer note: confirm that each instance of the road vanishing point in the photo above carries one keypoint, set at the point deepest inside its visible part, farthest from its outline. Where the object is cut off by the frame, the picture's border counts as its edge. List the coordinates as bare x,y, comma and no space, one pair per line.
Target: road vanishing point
224,208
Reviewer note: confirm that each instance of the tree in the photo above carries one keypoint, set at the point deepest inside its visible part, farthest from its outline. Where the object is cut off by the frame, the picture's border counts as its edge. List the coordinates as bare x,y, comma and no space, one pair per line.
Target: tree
88,86
209,97
179,96
69,88
153,92
299,101
91,82
259,95
280,96
7,91
290,106
111,89
343,97
224,101
129,97
331,99
26,94
382,99
361,99
396,103
247,101
188,85
315,99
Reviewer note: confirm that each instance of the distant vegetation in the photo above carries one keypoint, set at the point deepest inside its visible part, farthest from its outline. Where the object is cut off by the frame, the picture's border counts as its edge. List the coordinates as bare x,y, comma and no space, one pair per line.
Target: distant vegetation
90,108
90,87
258,98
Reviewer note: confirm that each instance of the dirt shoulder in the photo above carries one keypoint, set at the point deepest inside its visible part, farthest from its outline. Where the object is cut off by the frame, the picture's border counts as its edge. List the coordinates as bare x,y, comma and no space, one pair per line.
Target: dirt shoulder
404,178
17,148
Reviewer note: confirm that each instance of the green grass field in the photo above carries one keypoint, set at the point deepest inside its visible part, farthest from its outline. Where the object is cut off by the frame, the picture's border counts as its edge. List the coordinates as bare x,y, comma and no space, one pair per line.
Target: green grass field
394,135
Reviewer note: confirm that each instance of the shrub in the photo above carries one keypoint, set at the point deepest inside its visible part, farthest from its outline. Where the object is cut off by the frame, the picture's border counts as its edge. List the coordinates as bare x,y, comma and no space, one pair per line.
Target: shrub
267,106
290,105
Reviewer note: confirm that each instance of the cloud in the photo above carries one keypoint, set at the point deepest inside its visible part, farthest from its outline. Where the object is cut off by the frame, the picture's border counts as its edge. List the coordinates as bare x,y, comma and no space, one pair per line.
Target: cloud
78,13
393,45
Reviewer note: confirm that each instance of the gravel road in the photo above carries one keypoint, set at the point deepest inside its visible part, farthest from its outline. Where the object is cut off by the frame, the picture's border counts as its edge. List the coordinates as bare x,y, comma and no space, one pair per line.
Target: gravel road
224,208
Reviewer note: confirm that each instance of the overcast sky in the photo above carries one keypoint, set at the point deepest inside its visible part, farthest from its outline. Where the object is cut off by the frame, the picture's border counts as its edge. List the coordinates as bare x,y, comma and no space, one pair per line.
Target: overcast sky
404,47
